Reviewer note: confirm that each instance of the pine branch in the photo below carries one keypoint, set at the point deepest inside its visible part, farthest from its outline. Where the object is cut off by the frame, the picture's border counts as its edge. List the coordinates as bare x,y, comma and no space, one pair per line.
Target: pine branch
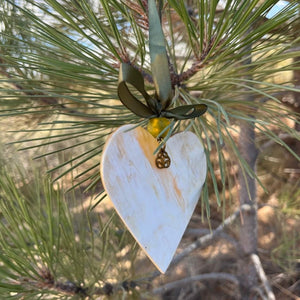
223,235
41,96
140,13
198,64
268,144
48,282
48,101
276,283
202,277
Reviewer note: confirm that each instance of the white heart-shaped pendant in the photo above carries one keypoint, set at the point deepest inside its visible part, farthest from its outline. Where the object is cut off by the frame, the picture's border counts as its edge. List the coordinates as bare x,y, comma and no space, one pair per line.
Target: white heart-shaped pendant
155,204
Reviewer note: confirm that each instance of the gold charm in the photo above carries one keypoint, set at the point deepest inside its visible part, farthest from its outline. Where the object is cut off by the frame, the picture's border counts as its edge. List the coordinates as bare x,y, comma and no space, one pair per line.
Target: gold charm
163,160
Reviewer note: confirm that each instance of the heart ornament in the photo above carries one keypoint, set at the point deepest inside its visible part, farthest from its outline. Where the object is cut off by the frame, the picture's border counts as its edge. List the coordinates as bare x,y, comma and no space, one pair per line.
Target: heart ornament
155,204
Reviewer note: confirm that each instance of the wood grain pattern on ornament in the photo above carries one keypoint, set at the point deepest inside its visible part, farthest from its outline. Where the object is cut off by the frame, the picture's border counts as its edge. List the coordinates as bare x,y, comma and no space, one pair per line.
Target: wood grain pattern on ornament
155,204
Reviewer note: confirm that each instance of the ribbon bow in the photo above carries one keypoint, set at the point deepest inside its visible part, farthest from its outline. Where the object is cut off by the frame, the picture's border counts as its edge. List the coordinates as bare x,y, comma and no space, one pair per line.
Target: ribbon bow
129,75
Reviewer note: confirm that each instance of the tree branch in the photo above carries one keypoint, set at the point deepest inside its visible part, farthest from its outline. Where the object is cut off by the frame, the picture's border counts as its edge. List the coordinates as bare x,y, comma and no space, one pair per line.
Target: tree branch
140,14
208,276
262,276
19,87
222,235
40,96
285,291
268,144
70,288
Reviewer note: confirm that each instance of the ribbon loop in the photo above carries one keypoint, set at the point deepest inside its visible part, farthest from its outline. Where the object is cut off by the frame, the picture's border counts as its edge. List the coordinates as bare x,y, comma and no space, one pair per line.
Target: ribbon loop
185,112
130,75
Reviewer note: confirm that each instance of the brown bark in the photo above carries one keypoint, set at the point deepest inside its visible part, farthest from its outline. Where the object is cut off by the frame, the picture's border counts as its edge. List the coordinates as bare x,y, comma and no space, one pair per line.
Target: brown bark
248,230
297,94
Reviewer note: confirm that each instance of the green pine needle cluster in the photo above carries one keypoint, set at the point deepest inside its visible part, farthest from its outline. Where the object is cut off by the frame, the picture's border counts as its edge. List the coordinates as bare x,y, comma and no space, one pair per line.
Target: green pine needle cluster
53,246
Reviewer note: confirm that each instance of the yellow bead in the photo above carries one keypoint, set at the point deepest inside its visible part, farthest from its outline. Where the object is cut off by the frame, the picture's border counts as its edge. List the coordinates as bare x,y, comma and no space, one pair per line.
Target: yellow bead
157,125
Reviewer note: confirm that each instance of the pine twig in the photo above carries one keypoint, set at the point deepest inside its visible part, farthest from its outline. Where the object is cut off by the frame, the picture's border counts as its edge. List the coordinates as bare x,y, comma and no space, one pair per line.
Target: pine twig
208,276
262,276
42,98
285,291
198,64
139,13
38,96
71,288
222,235
184,76
270,143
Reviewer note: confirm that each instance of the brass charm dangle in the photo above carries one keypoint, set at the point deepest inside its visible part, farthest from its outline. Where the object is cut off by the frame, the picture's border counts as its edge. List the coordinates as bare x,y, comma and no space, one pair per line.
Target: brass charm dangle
158,127
163,160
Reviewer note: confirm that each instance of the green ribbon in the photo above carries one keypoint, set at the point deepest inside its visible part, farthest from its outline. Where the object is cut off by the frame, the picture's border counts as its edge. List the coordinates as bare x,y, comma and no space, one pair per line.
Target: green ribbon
129,75
156,107
158,56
